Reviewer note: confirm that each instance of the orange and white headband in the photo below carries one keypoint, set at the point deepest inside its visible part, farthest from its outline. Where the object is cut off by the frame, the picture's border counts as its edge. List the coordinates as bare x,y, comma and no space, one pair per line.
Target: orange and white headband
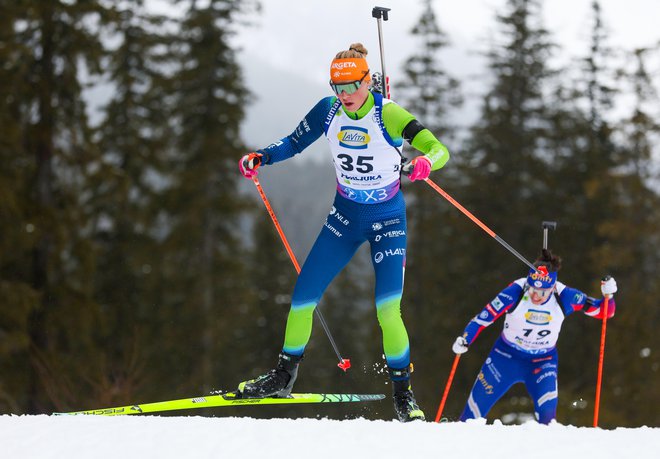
350,69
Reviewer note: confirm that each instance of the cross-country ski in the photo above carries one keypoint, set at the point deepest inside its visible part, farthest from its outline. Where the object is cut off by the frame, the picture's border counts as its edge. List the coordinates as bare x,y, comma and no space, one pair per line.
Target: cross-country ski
224,400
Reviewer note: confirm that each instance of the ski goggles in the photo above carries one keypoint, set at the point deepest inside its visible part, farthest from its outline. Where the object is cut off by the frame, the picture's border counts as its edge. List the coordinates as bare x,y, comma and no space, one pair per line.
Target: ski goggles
543,293
348,88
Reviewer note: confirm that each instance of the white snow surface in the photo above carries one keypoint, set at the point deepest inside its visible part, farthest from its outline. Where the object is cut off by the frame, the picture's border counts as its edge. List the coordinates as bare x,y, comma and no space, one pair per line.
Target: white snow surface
45,436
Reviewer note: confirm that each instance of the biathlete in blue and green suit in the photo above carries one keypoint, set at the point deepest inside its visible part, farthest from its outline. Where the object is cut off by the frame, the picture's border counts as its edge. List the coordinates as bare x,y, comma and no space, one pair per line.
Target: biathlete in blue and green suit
364,131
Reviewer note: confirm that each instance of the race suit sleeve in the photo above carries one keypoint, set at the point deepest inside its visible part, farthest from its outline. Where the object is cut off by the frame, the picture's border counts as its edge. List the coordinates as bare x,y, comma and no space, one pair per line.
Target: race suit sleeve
574,300
397,118
493,310
307,131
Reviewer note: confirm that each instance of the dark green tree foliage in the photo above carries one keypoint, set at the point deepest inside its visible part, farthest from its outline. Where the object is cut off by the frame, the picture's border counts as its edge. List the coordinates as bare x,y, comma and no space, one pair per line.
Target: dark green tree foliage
204,279
633,251
431,94
605,210
112,263
506,159
506,172
428,90
583,171
127,190
49,45
585,197
16,230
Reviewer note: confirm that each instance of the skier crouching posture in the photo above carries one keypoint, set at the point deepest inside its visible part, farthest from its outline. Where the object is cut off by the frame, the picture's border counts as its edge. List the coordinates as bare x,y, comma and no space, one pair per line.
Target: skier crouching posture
363,130
525,352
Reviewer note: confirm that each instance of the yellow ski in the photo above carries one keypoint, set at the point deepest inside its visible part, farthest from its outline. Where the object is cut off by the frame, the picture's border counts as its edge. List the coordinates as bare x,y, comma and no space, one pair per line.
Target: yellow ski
228,399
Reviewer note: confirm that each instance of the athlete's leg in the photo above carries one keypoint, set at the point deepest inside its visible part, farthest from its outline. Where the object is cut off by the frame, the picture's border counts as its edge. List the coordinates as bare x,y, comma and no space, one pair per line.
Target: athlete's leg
541,383
388,255
499,372
333,249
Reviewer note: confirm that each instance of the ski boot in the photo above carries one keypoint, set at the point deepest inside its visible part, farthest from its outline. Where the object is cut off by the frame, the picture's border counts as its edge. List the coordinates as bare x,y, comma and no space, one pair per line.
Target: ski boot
276,383
405,405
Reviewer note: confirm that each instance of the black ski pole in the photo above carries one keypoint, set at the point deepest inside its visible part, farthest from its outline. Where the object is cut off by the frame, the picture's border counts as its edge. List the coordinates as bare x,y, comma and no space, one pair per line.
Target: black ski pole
478,222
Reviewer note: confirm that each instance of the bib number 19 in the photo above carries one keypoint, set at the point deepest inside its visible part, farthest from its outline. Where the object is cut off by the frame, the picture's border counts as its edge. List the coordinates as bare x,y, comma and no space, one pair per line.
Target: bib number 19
541,333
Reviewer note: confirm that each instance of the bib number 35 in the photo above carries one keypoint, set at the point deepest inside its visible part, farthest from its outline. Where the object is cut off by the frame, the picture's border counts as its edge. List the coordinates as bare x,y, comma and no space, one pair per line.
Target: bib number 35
362,163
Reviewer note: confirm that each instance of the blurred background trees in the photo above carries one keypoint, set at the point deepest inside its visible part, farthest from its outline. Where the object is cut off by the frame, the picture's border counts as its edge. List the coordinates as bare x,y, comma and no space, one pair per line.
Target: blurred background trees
136,266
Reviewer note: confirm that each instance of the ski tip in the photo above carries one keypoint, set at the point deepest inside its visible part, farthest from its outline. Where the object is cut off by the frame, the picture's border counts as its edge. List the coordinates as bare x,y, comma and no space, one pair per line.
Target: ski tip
344,364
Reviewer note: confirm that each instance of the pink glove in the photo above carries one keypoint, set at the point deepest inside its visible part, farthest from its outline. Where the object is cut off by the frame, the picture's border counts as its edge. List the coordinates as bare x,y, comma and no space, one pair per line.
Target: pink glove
249,164
421,168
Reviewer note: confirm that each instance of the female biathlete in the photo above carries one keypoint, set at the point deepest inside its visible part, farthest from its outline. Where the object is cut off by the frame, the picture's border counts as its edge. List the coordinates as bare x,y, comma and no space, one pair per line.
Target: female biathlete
364,131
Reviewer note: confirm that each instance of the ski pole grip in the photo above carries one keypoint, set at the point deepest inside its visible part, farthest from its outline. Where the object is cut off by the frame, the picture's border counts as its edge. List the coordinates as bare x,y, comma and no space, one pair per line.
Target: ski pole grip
547,225
379,12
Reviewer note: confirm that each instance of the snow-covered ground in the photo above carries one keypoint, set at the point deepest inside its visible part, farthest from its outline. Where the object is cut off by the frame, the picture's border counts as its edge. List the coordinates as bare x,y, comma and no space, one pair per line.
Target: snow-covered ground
202,437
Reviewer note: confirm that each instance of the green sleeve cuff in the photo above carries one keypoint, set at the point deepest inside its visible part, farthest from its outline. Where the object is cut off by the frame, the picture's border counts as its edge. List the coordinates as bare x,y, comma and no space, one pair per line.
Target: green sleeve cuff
432,148
396,118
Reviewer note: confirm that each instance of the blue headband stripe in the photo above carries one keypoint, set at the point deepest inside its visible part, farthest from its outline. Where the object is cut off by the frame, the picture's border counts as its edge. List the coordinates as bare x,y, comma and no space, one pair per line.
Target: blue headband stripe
539,280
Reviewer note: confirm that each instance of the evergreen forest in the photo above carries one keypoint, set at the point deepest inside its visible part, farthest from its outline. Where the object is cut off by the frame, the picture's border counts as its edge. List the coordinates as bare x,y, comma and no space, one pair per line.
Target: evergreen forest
137,265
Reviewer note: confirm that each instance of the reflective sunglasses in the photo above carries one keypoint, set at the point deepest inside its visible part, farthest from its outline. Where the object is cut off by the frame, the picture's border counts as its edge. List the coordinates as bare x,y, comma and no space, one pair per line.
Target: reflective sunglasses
348,88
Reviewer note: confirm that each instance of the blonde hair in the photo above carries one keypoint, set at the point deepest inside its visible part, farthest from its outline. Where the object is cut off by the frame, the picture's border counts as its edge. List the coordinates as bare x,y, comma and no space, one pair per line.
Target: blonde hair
356,50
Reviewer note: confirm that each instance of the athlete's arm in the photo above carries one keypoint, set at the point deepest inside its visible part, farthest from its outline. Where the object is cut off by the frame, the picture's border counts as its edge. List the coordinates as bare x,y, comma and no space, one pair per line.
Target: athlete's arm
400,124
572,300
309,129
493,311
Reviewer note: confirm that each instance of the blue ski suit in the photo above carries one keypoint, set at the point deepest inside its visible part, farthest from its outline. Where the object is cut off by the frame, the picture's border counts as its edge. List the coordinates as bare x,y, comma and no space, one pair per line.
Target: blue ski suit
368,207
526,350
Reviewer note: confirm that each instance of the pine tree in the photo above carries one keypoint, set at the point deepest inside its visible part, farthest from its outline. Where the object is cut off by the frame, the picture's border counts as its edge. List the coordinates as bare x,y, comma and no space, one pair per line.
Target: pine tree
632,255
607,226
427,89
52,43
127,193
204,277
19,297
506,165
591,161
582,194
507,184
430,94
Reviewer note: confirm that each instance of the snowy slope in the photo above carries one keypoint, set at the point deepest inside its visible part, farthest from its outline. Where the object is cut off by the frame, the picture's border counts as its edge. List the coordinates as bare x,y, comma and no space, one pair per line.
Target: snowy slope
201,437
